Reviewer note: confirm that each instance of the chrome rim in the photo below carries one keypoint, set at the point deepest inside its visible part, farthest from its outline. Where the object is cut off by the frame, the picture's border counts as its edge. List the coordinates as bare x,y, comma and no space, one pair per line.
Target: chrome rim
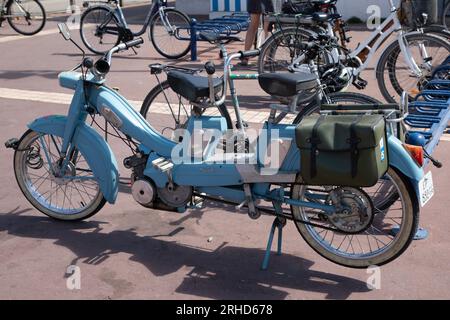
71,191
378,238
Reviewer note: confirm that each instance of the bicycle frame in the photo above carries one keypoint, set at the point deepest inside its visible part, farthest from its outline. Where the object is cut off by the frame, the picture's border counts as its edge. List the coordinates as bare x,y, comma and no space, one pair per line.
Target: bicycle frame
3,7
157,6
366,50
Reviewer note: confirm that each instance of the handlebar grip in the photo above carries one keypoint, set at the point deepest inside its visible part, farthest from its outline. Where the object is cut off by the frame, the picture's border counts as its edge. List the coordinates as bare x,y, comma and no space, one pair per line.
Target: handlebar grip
249,53
210,68
134,43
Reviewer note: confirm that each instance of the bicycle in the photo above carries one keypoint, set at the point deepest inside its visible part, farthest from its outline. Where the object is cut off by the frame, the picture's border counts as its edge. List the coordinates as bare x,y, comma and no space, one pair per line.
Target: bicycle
178,107
21,15
405,64
104,26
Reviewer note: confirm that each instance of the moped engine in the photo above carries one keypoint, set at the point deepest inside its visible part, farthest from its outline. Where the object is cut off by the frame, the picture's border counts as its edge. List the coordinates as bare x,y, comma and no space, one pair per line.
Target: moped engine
175,196
143,192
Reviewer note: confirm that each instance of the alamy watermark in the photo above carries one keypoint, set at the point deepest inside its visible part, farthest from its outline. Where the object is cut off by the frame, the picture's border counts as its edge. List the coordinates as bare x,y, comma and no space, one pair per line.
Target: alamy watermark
73,281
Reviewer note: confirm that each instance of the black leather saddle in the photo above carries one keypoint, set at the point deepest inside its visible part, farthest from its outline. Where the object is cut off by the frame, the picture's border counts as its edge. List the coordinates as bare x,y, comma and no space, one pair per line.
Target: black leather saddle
287,84
192,87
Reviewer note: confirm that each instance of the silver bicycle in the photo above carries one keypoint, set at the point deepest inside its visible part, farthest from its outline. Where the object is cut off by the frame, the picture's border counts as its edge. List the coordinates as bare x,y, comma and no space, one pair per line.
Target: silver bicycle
26,17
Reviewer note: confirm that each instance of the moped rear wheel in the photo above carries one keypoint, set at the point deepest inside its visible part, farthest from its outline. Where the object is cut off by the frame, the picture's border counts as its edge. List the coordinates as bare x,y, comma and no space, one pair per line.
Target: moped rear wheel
388,232
73,194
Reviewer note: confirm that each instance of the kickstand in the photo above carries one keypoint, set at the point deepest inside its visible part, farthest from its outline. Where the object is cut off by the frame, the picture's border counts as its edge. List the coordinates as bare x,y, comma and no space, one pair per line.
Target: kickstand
278,223
135,52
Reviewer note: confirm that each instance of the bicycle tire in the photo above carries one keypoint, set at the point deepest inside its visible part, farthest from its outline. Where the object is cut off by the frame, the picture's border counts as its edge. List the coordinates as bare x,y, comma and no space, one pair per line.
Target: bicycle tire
152,37
274,41
18,30
157,90
83,29
388,63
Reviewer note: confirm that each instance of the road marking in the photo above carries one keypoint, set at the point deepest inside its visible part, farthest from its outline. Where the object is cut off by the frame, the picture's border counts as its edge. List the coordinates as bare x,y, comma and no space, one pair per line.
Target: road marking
158,108
40,34
249,116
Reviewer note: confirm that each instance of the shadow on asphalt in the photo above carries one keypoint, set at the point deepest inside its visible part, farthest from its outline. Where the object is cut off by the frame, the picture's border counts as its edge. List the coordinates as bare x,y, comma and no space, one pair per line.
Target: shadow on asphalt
225,273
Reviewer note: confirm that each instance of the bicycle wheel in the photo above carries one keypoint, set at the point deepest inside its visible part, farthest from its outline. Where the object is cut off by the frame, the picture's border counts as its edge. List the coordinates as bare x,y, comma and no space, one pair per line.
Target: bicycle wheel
73,195
280,51
26,17
338,97
373,236
168,42
99,29
393,73
167,111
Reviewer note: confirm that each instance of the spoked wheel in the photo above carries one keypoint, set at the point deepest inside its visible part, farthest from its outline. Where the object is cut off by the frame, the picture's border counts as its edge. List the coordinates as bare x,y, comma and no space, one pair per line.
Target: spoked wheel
26,17
166,33
166,111
367,230
99,29
394,75
70,193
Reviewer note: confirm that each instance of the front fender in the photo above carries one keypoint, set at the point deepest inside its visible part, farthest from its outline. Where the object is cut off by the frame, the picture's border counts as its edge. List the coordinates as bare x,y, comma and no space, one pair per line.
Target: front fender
92,146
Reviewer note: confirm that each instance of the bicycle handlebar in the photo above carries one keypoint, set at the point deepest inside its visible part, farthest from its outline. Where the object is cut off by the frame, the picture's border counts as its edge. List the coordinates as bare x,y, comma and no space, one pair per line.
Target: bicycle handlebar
249,53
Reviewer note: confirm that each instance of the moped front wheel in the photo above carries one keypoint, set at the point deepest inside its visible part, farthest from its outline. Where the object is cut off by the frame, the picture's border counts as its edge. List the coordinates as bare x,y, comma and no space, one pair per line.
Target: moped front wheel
370,233
71,193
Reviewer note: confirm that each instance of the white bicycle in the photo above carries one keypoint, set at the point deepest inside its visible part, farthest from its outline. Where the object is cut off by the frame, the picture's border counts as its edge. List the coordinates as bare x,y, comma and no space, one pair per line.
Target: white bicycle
404,65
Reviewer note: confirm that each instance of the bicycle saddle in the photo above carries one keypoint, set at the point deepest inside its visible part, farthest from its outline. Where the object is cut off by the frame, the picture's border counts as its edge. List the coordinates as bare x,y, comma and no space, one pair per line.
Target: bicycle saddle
286,84
190,86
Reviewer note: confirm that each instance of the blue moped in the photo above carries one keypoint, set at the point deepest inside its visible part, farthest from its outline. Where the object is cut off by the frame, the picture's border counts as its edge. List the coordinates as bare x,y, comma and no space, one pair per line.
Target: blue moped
67,170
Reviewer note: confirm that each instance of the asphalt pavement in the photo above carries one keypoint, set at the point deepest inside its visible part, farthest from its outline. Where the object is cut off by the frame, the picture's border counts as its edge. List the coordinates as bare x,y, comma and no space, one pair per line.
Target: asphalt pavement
127,251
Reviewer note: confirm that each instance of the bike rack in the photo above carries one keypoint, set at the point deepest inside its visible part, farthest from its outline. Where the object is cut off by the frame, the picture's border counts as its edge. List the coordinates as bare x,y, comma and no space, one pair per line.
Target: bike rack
429,113
225,26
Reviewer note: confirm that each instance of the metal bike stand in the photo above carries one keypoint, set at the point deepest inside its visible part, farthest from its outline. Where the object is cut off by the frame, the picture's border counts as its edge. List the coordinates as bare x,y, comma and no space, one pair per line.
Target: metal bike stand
279,224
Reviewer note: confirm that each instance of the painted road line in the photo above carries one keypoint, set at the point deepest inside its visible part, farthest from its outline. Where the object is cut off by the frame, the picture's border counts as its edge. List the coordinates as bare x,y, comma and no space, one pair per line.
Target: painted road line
250,116
158,108
40,34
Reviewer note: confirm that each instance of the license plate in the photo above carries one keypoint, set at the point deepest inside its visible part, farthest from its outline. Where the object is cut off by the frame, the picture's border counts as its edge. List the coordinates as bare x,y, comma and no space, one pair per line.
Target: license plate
426,189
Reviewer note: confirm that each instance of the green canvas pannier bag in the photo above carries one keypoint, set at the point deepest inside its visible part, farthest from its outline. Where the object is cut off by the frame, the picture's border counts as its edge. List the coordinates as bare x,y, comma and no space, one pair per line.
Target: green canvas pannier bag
342,150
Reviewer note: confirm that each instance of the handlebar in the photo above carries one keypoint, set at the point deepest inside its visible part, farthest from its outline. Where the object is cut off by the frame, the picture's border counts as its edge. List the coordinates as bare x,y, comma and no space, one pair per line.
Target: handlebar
103,65
249,53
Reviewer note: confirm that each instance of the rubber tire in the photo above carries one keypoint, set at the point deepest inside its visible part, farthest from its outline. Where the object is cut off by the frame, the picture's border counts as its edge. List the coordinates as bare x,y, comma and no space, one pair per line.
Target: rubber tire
411,220
165,85
274,37
152,39
394,50
44,15
98,204
83,16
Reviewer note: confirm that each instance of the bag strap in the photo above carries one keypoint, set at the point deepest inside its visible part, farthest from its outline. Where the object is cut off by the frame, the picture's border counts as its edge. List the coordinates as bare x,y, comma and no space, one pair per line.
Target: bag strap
354,141
315,141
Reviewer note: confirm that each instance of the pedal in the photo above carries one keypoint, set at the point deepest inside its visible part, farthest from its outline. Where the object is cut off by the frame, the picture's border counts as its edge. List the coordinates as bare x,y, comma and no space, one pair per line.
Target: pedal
360,83
12,143
162,164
